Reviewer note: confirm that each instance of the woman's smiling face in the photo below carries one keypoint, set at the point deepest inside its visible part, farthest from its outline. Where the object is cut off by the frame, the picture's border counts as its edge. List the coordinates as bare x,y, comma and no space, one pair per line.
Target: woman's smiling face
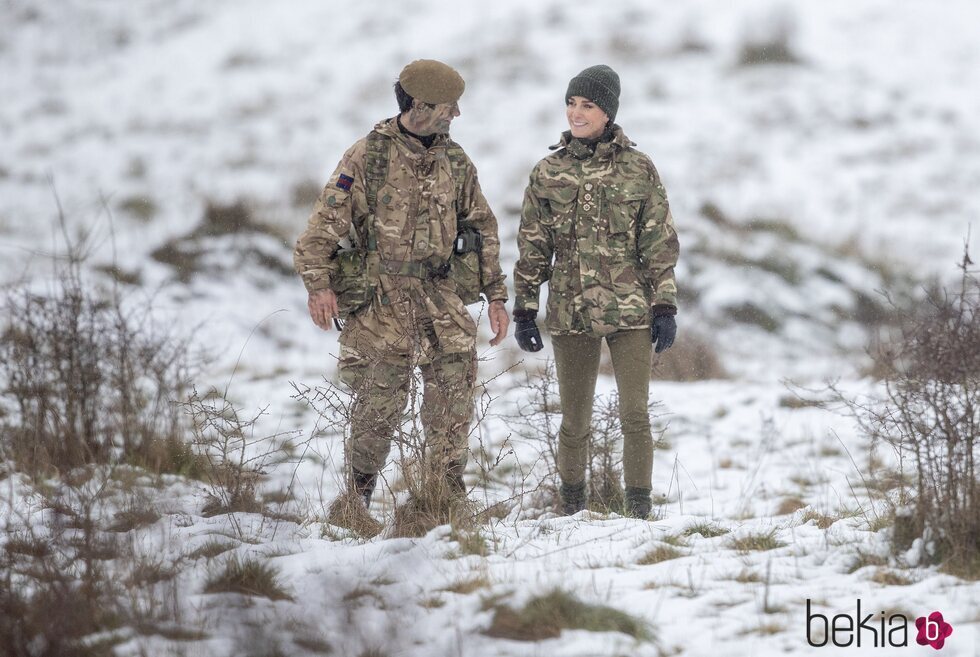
585,119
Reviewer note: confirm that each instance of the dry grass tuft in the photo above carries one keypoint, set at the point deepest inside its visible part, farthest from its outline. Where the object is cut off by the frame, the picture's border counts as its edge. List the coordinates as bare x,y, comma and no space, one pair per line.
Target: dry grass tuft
348,512
430,507
705,529
660,554
545,616
790,505
248,577
756,542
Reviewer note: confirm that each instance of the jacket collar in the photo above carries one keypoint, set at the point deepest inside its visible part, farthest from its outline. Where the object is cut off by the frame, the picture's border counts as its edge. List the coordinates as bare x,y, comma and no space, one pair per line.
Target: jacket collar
608,148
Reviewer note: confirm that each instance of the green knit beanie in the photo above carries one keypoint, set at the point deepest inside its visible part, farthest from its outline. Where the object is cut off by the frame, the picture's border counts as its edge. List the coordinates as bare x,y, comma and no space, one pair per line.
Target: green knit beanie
600,84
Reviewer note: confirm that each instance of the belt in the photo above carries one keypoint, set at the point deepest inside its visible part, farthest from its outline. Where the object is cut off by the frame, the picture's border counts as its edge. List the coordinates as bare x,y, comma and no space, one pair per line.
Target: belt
424,269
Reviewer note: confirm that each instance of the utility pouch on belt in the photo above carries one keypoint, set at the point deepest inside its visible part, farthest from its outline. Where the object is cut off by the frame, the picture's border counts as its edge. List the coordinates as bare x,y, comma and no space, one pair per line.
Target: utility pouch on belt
355,280
464,264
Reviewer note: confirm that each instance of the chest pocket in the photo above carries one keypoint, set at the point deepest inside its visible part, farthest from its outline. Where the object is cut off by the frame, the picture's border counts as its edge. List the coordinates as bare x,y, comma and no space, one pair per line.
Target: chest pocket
624,205
559,204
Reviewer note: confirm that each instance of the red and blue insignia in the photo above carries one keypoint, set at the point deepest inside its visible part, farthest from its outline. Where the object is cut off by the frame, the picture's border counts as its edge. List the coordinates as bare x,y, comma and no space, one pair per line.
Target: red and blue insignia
344,182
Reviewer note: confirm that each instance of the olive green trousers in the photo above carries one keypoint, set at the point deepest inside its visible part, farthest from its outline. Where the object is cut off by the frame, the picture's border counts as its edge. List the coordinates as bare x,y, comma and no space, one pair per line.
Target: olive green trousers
577,366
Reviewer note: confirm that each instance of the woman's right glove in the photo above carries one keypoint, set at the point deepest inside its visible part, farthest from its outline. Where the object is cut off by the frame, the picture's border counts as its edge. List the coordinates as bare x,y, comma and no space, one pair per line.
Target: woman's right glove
527,333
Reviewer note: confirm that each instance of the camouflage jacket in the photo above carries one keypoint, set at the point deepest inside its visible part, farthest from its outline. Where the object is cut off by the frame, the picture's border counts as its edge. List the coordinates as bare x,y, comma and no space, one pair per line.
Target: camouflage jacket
415,220
598,228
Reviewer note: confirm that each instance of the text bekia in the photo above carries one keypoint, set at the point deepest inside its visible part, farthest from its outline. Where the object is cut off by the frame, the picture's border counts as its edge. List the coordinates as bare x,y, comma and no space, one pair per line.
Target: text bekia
844,630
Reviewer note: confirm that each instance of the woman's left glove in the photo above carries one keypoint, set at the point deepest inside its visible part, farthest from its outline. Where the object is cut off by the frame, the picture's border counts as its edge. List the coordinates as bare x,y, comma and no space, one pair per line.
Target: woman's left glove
663,327
527,333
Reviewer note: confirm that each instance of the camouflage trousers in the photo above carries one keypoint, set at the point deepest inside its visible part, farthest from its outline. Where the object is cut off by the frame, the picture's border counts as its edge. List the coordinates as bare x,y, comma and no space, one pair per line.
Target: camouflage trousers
577,367
381,384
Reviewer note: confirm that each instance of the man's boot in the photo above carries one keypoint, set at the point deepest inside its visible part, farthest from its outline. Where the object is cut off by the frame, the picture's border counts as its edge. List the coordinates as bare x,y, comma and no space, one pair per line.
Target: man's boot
572,498
638,502
364,485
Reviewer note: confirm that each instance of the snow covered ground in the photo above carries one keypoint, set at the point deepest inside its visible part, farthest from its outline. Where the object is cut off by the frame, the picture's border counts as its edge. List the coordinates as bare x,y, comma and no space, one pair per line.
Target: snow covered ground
799,189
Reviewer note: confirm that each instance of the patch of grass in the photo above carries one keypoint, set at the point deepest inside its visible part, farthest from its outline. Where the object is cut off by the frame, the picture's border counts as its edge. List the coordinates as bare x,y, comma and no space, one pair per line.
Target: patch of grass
790,505
545,616
675,540
795,401
248,577
432,602
171,455
746,576
120,275
134,517
822,521
467,586
692,358
243,503
470,541
147,572
313,644
142,208
888,577
430,505
277,497
749,313
360,592
764,629
865,559
660,554
775,49
963,565
705,529
211,549
756,542
348,511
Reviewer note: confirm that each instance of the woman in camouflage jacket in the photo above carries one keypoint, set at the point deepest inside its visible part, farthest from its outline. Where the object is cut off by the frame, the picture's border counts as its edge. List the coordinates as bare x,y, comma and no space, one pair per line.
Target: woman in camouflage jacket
596,225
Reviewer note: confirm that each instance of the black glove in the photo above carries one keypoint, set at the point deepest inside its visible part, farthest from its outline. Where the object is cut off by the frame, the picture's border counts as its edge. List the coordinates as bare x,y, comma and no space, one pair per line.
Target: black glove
527,333
663,329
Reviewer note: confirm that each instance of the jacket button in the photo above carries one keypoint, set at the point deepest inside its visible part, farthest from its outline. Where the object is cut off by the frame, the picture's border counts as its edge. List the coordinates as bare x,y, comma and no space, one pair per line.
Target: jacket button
588,186
588,197
587,207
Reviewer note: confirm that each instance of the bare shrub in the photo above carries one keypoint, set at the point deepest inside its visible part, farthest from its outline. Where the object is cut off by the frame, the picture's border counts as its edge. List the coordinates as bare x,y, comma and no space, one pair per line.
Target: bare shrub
237,456
86,375
929,413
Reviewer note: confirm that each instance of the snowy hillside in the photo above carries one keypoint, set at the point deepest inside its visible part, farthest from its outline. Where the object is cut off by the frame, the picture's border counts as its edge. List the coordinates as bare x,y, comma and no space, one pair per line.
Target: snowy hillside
813,153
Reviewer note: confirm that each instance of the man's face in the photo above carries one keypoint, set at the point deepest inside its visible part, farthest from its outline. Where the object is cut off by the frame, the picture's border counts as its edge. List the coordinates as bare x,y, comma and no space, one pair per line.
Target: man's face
433,119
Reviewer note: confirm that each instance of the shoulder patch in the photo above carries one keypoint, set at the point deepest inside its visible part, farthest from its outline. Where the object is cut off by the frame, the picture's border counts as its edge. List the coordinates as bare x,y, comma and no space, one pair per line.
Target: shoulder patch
344,182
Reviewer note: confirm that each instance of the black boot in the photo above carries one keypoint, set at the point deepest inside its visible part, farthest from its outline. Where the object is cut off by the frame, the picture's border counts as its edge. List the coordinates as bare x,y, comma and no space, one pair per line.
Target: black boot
637,502
364,485
572,498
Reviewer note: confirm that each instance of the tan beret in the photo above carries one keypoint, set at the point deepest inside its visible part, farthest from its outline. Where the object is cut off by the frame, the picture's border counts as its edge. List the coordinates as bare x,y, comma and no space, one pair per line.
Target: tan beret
432,82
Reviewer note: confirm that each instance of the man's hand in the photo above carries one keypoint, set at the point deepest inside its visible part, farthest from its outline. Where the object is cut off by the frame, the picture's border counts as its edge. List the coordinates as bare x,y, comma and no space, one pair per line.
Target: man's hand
323,308
499,321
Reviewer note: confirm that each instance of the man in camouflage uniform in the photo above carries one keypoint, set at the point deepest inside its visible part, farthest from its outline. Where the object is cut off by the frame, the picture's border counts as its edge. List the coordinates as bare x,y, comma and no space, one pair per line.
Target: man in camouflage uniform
596,225
411,187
